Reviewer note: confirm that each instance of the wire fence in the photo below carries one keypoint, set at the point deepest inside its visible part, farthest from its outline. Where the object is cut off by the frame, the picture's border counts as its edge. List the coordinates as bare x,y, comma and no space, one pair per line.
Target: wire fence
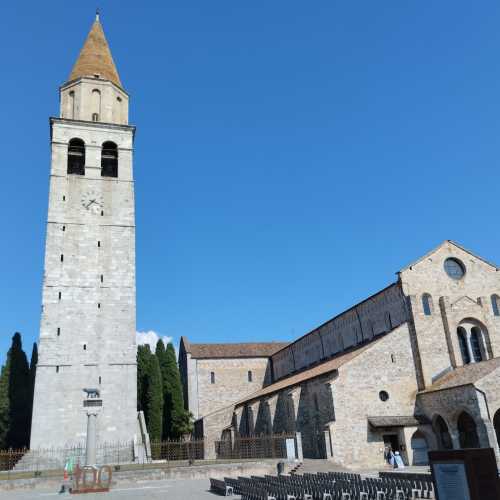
266,446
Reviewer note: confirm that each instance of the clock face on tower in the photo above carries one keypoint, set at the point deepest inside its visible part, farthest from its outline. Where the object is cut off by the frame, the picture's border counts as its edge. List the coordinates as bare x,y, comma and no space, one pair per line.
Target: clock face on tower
92,202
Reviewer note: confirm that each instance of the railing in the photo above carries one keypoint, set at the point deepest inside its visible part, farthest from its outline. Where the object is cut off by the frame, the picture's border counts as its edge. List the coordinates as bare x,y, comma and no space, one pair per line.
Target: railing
270,446
178,450
115,454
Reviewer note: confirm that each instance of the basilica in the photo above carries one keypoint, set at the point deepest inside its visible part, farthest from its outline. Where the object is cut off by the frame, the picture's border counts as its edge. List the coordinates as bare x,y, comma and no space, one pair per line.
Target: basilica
414,367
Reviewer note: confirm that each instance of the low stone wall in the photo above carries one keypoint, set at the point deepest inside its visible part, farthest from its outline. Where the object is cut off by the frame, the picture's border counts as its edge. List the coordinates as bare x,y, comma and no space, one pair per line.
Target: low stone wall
155,472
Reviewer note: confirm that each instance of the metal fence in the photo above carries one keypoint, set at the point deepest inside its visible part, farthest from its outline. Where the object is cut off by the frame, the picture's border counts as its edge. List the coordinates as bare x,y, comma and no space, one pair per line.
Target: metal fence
270,446
56,458
115,454
178,450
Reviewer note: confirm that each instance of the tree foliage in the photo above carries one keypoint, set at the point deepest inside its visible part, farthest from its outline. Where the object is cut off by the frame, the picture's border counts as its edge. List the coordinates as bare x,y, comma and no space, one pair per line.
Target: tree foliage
15,397
4,404
143,354
32,376
19,395
154,399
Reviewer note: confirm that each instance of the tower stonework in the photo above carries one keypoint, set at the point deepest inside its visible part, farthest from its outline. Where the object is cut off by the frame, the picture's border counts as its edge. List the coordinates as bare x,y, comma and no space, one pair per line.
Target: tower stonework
87,331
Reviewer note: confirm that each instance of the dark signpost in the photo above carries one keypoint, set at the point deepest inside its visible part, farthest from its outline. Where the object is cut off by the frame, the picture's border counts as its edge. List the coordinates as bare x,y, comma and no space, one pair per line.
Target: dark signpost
469,474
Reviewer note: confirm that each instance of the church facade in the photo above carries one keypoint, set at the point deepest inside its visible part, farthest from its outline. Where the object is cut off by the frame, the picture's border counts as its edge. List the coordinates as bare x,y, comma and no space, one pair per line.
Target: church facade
414,367
87,352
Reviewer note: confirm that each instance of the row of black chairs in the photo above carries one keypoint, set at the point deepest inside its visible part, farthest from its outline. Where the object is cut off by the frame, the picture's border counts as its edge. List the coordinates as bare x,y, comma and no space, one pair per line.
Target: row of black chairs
327,486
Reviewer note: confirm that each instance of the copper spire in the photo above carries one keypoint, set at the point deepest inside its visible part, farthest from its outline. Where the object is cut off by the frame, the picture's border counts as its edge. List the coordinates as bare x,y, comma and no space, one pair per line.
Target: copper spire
95,57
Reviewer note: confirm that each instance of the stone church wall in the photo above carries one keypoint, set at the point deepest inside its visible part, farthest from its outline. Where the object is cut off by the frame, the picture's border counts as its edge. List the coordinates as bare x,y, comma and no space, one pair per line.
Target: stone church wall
451,302
387,366
377,315
231,381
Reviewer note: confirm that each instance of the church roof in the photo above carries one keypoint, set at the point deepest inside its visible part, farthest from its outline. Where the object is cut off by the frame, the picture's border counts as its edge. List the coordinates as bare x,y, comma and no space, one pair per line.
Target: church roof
323,368
397,421
245,350
95,57
464,375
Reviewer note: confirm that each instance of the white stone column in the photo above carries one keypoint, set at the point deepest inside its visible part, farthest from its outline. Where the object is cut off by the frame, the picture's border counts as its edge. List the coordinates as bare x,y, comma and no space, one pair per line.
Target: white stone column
469,346
90,451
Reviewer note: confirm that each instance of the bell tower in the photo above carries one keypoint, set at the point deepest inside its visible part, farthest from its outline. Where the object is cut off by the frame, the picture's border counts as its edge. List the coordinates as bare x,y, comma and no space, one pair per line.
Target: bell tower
87,330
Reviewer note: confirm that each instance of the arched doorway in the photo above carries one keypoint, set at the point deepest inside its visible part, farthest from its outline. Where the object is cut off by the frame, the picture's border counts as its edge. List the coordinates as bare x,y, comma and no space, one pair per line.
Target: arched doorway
442,433
420,449
496,424
467,431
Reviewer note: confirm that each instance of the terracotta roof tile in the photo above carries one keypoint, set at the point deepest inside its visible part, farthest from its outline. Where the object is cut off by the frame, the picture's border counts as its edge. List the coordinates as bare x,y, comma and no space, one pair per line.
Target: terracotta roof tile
463,375
95,57
247,350
321,369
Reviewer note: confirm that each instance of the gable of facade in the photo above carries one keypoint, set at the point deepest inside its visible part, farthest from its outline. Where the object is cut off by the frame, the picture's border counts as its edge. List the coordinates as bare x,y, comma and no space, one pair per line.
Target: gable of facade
453,296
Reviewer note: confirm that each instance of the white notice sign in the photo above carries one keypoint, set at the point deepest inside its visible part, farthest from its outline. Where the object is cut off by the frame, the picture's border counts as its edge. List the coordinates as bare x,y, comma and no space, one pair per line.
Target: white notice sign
451,481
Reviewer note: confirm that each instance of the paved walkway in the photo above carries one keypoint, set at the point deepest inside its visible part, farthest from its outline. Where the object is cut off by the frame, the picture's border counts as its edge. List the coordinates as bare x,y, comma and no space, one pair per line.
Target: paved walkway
182,489
171,489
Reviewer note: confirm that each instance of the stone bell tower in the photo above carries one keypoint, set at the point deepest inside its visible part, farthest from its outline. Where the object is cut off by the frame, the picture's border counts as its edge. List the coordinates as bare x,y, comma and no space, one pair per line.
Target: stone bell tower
87,331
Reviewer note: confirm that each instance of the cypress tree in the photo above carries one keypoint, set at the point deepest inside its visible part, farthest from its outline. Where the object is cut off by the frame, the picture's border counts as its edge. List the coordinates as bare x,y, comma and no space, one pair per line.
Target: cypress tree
32,374
143,354
154,399
175,420
163,361
4,404
19,395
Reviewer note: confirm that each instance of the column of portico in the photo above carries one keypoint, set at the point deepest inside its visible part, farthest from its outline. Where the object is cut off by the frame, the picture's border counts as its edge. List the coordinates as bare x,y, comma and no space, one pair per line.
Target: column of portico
455,438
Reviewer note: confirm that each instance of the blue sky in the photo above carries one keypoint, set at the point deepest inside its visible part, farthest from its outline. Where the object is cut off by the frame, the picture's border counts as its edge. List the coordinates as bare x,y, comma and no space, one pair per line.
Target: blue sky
290,156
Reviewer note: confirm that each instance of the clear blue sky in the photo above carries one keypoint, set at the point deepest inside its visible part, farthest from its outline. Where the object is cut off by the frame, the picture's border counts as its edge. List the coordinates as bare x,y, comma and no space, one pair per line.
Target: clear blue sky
290,156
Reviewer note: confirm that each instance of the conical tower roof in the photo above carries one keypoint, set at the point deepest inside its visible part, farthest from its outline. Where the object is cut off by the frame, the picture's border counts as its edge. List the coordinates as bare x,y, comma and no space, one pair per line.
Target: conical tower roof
95,57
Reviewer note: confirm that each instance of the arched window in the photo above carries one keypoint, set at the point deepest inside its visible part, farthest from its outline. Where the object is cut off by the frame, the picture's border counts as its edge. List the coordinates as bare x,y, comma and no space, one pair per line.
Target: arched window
427,304
475,343
464,349
467,431
96,105
442,433
495,305
109,159
76,157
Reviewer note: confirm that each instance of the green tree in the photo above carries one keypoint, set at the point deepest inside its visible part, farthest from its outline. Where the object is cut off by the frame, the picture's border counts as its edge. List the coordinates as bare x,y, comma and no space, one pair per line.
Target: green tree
33,363
143,355
19,395
154,399
176,418
4,404
161,354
